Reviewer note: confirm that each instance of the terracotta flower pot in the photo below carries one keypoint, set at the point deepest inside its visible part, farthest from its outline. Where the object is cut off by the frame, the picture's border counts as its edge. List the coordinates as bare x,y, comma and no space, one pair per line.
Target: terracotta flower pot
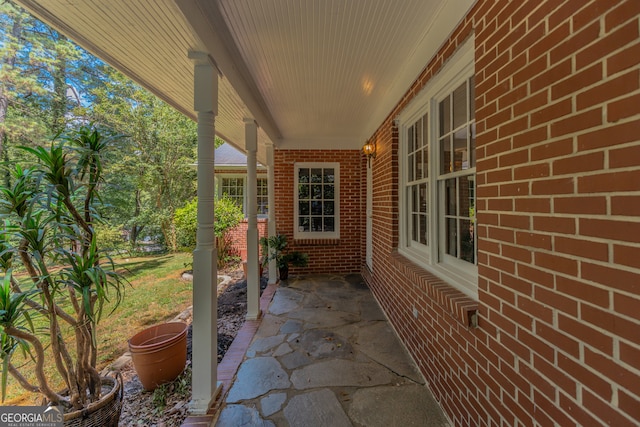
159,353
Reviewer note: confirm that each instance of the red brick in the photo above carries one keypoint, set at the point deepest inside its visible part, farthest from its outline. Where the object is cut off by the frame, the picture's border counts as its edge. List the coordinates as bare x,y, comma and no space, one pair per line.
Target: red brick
608,229
625,157
533,204
579,163
514,282
623,108
576,42
546,43
538,170
551,112
580,205
629,57
551,75
535,275
576,411
530,137
566,10
553,186
610,182
556,376
629,404
514,158
534,240
528,104
538,311
577,122
626,305
554,224
626,11
577,81
515,221
619,86
581,247
625,205
581,331
609,136
535,67
612,323
582,291
616,278
627,255
553,336
552,149
629,354
557,263
605,411
619,38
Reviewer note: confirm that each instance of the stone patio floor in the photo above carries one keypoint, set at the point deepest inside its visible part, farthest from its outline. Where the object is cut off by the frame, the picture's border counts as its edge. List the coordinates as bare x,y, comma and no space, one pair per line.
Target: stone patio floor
323,354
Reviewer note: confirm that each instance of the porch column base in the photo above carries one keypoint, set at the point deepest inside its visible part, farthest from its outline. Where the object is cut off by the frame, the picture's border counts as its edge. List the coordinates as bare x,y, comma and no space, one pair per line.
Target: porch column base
202,406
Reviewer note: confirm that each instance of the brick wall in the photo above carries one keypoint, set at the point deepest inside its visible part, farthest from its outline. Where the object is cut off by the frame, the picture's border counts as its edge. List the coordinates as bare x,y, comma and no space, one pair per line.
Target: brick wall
558,172
336,255
238,236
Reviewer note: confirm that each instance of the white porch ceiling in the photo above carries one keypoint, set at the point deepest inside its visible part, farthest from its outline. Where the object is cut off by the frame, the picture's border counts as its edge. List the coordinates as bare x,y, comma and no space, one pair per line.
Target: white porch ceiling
313,74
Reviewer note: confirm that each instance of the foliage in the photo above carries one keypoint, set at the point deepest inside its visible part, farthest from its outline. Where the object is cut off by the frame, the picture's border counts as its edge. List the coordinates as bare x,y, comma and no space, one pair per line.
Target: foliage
49,216
227,215
277,248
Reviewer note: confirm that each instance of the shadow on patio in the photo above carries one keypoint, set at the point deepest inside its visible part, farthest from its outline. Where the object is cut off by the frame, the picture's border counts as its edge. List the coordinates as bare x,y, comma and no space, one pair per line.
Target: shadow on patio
322,355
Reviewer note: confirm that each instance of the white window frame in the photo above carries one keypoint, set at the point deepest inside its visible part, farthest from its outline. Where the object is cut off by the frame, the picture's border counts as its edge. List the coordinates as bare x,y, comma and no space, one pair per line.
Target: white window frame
460,274
220,176
297,234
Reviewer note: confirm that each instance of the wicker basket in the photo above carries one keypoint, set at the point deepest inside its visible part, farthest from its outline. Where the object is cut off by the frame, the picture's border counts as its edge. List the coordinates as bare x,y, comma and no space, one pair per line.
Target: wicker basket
103,413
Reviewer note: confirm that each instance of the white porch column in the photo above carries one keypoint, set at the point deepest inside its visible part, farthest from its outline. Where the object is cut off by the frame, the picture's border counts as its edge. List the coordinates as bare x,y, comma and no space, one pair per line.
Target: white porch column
253,279
271,200
205,303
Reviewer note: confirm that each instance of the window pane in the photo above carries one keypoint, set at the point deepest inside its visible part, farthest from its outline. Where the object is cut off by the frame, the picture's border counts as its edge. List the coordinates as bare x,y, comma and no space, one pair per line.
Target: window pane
415,206
460,106
316,223
425,153
411,140
329,224
418,160
303,175
415,231
445,116
303,208
329,192
472,100
467,251
424,198
445,155
464,196
303,224
450,193
423,229
411,172
316,191
472,145
316,175
461,153
328,208
452,232
316,208
303,192
329,176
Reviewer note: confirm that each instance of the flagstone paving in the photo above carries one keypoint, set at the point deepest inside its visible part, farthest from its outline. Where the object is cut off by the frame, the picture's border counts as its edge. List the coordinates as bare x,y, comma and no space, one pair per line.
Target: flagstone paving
324,355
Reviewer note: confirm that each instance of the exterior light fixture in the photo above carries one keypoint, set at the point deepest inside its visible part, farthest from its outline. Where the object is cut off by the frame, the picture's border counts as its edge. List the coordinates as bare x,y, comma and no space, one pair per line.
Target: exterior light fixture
369,150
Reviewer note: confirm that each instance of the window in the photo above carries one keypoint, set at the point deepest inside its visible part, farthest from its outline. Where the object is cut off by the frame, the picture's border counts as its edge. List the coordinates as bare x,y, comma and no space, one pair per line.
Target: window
234,189
437,175
316,204
263,196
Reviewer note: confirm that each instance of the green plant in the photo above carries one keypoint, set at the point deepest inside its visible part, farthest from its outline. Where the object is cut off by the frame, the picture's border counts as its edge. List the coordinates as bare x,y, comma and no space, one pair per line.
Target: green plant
277,248
49,216
227,215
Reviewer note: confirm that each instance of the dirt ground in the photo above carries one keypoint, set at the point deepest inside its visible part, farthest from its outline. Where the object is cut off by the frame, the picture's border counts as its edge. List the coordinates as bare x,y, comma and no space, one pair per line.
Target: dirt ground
168,405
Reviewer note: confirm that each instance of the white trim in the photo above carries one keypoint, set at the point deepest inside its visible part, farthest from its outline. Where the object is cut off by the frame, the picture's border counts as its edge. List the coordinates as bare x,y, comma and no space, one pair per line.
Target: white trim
297,234
458,273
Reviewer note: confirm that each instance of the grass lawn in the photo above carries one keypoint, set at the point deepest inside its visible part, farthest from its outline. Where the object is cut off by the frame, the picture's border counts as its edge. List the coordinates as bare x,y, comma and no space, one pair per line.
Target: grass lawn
157,294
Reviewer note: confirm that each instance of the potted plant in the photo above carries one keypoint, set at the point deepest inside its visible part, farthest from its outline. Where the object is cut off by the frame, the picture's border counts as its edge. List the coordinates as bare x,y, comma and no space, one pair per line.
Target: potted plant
56,282
276,248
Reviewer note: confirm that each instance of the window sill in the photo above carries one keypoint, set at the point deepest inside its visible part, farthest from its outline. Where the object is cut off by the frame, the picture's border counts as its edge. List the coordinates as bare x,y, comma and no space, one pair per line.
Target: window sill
316,242
460,306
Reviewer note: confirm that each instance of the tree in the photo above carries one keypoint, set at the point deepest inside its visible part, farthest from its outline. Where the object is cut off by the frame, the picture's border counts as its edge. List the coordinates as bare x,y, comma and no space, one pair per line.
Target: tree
157,160
49,215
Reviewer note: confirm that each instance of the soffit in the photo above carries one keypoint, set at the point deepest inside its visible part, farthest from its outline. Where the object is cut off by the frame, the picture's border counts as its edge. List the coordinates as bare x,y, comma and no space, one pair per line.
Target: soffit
314,74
